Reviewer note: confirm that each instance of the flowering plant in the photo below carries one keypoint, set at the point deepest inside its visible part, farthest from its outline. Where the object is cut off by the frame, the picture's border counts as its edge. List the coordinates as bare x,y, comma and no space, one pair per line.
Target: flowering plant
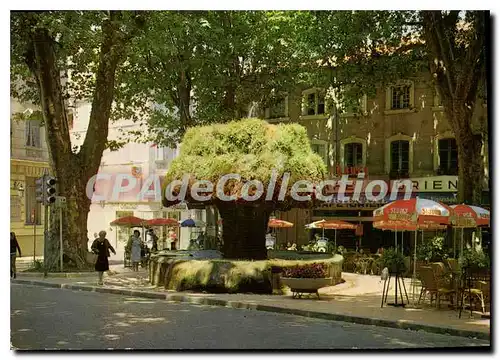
309,271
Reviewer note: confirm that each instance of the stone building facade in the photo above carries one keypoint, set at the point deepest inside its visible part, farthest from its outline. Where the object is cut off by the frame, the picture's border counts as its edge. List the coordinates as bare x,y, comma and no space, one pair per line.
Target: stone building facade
29,158
400,133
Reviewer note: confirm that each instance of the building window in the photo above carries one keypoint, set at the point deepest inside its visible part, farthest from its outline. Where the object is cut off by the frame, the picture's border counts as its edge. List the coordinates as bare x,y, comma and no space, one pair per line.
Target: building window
357,107
400,159
160,153
33,134
400,97
314,102
448,157
353,154
277,110
33,209
320,148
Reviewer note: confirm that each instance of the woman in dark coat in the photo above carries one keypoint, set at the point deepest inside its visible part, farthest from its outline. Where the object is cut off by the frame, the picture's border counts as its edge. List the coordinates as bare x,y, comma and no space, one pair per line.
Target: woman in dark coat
101,248
14,248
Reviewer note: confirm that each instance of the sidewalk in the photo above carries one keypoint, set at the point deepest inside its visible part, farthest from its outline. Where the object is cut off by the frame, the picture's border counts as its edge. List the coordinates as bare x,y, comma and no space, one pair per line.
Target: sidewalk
357,300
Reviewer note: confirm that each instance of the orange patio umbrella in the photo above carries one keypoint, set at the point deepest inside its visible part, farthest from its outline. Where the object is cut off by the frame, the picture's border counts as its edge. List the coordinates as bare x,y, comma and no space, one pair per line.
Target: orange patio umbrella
276,223
279,224
331,224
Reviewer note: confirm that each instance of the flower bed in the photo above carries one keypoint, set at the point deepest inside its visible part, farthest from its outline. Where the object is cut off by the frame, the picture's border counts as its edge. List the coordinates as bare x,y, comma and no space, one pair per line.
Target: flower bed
306,271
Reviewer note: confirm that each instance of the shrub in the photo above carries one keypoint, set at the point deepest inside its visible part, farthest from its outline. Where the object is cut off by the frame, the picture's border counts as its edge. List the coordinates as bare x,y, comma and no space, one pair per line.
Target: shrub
393,260
318,270
432,250
36,266
474,259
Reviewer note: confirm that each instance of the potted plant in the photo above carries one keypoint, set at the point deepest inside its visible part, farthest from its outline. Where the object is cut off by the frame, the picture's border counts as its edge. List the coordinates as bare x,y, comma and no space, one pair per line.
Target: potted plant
432,250
307,278
394,261
476,260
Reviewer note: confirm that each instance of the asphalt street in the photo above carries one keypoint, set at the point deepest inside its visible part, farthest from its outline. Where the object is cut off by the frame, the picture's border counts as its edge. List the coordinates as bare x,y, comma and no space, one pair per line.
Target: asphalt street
44,318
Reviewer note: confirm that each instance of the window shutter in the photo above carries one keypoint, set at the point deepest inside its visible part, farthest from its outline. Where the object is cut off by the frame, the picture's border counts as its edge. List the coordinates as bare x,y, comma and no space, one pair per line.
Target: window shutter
36,134
359,154
27,133
348,149
405,155
394,156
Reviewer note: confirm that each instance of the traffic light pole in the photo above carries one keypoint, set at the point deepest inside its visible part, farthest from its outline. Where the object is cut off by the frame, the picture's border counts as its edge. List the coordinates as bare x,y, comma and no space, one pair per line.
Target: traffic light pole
45,237
61,235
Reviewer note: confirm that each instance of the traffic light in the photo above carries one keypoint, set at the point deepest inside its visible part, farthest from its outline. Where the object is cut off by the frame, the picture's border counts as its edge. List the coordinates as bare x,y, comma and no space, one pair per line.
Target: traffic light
50,190
40,189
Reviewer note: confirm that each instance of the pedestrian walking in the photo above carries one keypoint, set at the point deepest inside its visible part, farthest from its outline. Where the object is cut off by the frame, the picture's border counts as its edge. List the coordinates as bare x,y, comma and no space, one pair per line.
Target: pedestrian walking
101,247
14,248
134,247
154,240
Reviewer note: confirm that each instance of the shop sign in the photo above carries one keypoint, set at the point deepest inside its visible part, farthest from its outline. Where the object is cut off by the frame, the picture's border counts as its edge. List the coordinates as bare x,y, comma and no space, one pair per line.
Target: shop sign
127,206
351,170
435,184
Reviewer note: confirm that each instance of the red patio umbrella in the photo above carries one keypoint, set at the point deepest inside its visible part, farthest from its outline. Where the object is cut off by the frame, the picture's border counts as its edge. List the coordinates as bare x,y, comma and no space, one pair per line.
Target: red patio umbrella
395,225
413,211
468,216
129,221
162,222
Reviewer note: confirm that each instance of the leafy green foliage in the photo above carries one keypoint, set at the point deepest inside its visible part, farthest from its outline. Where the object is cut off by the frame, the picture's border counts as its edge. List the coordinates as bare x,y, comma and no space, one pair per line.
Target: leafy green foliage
251,148
432,250
472,258
393,260
202,67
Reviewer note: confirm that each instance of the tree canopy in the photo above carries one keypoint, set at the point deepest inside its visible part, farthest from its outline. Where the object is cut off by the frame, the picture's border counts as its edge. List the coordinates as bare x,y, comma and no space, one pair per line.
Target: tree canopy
251,148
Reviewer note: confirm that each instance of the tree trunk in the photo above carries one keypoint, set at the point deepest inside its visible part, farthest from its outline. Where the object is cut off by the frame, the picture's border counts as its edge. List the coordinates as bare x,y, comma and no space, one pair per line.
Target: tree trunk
73,170
470,161
458,73
75,216
184,97
244,234
470,171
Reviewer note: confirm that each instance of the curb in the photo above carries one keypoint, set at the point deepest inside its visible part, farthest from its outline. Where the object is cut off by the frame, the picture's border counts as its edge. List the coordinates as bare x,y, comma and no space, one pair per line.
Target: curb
64,275
398,324
56,275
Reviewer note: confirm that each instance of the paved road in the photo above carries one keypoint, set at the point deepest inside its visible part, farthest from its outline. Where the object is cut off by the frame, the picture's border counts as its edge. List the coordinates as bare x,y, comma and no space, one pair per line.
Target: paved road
44,318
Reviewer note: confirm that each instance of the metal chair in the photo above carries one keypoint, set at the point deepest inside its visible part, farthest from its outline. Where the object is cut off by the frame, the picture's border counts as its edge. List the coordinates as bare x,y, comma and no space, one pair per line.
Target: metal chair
453,265
434,285
474,284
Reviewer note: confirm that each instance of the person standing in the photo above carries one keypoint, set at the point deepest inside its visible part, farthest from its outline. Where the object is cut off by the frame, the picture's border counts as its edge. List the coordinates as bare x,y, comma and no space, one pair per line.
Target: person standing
101,248
173,240
14,248
154,240
134,247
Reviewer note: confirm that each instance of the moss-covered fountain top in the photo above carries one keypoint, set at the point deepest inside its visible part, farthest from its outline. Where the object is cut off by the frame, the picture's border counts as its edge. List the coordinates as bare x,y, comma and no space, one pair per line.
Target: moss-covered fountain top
257,154
251,148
